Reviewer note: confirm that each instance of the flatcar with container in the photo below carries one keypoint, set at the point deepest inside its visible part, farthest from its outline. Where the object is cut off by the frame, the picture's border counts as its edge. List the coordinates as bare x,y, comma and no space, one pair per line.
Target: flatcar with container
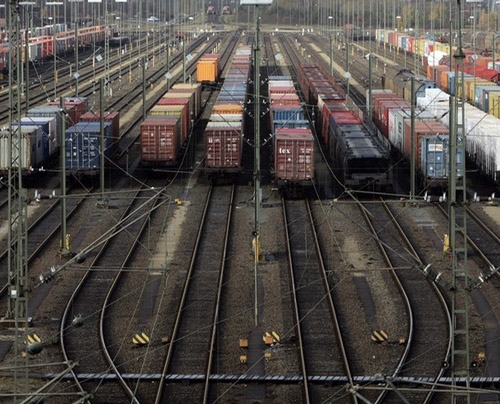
208,68
39,131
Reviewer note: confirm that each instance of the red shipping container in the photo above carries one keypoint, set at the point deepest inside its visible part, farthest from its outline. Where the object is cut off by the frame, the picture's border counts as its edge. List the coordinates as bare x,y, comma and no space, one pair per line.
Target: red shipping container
328,108
79,106
223,145
379,98
175,111
160,139
284,99
282,90
294,155
112,117
173,100
188,88
386,107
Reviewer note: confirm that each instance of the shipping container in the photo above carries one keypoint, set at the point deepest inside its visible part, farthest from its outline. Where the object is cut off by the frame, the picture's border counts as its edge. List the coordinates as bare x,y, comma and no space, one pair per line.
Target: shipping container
181,111
112,117
83,147
34,148
160,140
49,128
294,155
223,146
79,106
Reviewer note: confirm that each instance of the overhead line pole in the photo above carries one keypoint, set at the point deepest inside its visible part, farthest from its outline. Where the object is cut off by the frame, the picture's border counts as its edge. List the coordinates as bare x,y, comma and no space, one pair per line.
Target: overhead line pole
257,185
457,205
17,257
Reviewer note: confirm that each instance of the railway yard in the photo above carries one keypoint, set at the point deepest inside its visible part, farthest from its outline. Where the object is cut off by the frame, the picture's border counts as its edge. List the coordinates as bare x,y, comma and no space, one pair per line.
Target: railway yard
157,273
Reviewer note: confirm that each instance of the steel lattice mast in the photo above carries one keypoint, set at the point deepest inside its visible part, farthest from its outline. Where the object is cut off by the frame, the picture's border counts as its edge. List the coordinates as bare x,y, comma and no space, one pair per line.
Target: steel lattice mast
457,205
17,309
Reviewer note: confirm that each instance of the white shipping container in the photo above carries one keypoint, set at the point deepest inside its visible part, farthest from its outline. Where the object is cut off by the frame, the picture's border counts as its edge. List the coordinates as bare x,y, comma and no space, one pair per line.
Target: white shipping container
28,149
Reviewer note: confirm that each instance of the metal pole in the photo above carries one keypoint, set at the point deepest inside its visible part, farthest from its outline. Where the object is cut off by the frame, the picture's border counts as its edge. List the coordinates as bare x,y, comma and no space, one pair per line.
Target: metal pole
102,140
184,57
64,249
412,142
493,54
17,258
370,107
331,54
27,70
347,74
143,62
257,133
75,5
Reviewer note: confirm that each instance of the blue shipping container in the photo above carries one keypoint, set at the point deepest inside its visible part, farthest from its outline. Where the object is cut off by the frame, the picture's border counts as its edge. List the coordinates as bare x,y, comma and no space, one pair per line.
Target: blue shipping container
83,145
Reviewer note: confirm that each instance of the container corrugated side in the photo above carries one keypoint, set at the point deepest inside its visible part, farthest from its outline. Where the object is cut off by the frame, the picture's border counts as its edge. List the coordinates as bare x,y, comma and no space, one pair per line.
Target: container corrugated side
294,155
223,145
160,139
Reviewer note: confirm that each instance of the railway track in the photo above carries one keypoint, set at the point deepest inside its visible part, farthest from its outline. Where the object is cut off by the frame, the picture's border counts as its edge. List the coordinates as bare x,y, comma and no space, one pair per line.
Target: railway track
41,231
484,283
191,350
320,342
89,72
421,303
83,333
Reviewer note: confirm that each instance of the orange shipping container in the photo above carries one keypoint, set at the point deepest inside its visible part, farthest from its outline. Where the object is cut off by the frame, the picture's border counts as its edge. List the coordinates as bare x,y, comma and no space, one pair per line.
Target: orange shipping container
227,109
206,71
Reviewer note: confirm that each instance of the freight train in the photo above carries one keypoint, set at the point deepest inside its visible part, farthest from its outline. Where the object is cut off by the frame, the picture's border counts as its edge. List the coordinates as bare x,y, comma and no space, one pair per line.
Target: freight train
482,112
56,38
293,140
360,158
225,130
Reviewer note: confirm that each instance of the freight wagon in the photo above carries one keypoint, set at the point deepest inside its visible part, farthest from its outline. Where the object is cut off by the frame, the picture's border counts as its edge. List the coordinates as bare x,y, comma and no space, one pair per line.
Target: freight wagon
55,38
40,141
208,68
34,148
359,158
